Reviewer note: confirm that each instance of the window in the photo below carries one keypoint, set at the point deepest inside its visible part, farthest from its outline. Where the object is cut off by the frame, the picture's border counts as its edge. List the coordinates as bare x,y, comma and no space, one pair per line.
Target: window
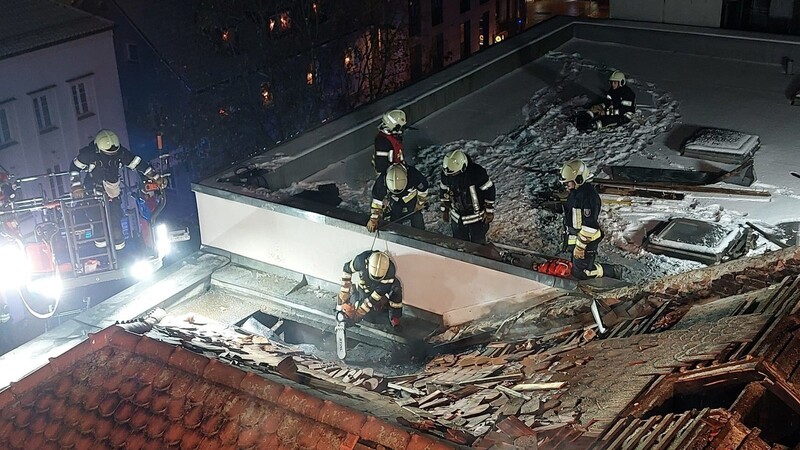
414,25
133,52
437,12
80,100
466,39
42,111
465,5
5,128
483,2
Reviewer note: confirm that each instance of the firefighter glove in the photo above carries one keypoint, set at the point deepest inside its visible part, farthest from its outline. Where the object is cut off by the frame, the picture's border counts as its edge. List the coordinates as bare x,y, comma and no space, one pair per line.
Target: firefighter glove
372,225
344,297
78,192
488,217
579,252
420,205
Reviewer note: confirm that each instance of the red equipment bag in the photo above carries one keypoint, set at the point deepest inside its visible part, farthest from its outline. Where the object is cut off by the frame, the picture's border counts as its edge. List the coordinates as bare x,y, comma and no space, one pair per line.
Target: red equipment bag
556,267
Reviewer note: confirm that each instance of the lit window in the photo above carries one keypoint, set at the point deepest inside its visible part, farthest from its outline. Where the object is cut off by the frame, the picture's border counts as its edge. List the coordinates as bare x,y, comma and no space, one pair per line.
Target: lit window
348,57
310,78
285,21
271,24
226,35
266,94
314,7
80,100
222,112
5,127
42,110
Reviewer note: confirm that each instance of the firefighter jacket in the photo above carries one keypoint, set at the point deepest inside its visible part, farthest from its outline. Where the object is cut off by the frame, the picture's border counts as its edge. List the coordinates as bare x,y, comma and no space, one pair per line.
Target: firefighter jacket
388,150
105,167
581,215
468,195
620,103
415,193
380,294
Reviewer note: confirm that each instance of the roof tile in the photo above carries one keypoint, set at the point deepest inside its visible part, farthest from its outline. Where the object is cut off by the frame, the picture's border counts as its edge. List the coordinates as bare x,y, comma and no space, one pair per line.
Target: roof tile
33,379
261,387
6,398
248,438
191,440
123,339
159,402
17,438
341,417
229,432
212,424
155,349
188,361
224,374
300,402
385,434
124,412
193,417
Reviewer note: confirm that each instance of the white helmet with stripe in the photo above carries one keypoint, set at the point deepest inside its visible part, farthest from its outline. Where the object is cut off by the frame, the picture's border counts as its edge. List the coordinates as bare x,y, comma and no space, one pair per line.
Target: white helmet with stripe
107,142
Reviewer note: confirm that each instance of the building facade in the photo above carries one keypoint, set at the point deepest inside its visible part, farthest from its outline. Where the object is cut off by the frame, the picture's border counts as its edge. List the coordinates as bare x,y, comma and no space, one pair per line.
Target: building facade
60,86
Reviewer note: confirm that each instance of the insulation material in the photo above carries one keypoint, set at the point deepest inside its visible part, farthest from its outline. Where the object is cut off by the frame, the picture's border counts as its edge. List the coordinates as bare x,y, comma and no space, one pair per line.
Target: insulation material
725,146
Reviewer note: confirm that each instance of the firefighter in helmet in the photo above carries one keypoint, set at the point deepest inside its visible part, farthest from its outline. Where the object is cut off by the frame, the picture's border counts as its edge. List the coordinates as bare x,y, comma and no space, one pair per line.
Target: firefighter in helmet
399,194
369,288
388,148
617,108
467,194
101,160
581,220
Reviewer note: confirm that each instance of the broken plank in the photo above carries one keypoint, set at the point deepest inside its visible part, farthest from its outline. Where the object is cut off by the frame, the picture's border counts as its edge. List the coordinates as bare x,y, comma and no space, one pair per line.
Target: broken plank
408,389
512,392
510,376
539,386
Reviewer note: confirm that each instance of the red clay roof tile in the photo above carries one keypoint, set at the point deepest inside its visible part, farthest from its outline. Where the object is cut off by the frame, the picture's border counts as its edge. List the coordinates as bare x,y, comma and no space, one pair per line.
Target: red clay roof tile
341,417
188,361
224,374
261,387
418,442
154,349
300,403
130,392
385,434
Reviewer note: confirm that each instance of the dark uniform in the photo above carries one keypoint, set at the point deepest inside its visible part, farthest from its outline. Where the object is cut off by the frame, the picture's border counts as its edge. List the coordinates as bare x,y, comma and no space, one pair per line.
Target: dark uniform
581,214
617,108
395,206
468,197
388,150
371,296
103,171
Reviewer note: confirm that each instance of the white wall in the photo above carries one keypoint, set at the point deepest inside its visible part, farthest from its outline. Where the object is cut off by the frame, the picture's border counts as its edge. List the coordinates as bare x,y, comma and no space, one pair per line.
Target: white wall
644,10
36,152
705,13
702,13
430,282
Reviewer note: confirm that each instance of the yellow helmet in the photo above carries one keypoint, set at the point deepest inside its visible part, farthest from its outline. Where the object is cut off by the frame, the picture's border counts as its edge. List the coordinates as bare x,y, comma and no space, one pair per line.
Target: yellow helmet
394,120
107,141
576,171
455,162
618,77
378,265
396,178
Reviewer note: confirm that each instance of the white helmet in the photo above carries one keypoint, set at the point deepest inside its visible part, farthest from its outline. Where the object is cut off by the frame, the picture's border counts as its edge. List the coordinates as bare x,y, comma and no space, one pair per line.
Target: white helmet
107,142
394,121
396,178
455,162
378,265
576,171
617,76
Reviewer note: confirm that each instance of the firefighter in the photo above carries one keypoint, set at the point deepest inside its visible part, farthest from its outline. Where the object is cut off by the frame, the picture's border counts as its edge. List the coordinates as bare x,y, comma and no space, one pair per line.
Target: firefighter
399,194
369,287
389,141
581,214
617,108
102,160
467,195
